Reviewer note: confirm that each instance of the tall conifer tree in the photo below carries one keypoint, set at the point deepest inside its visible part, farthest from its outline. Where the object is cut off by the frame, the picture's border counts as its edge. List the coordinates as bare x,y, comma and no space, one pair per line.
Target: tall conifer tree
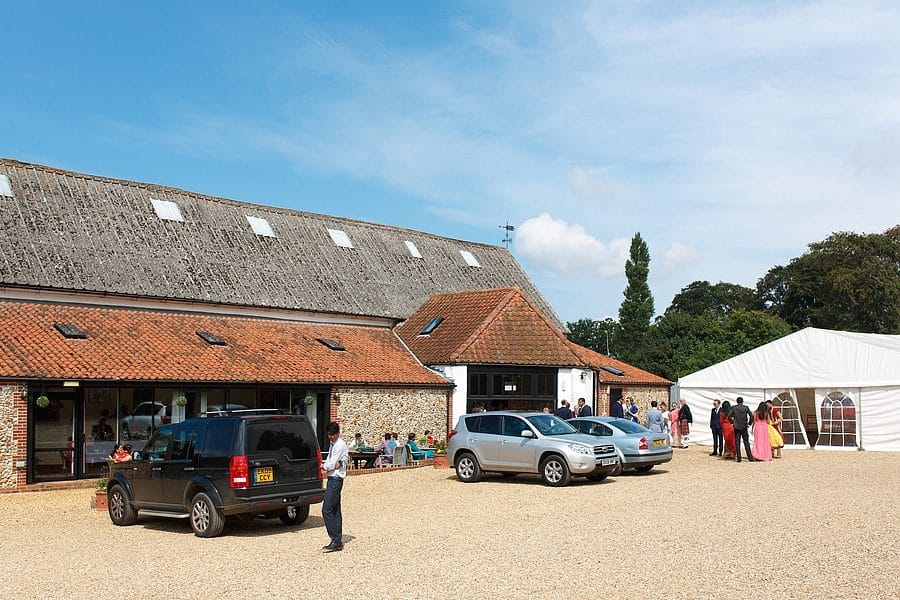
636,310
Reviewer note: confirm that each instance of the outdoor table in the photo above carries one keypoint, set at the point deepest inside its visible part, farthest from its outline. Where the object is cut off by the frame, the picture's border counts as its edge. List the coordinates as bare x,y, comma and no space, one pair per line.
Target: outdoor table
367,457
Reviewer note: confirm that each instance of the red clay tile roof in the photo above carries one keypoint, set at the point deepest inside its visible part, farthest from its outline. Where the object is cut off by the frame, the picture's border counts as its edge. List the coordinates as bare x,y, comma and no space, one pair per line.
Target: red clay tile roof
498,326
632,374
144,345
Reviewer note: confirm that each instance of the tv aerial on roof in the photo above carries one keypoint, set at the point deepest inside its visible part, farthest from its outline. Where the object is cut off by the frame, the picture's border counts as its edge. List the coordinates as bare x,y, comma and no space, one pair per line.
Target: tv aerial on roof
507,237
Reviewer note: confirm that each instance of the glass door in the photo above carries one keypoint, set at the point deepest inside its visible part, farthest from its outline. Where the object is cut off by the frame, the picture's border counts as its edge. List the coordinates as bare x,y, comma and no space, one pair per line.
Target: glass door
99,429
55,451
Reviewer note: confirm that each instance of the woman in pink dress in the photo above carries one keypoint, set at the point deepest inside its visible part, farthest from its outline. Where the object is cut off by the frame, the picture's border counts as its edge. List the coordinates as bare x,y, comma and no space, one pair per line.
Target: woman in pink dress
762,447
674,431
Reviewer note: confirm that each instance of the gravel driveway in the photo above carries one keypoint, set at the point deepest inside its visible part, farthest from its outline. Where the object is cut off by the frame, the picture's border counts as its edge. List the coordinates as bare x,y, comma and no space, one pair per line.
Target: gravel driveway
813,525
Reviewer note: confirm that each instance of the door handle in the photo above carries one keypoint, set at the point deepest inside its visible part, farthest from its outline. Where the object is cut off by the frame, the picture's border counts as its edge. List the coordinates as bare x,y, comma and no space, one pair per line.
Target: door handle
156,468
189,468
502,442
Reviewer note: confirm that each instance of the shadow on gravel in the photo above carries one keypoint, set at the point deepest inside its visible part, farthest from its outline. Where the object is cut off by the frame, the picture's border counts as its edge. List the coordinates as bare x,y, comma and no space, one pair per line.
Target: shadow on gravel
651,473
233,527
529,479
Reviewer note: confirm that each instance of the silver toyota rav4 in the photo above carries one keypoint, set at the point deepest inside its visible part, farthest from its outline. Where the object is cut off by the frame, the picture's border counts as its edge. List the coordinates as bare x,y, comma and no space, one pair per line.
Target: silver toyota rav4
527,442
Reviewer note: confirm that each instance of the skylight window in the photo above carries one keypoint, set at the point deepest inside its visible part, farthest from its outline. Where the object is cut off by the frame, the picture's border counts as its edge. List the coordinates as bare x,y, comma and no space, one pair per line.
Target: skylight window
69,331
5,190
211,338
260,226
413,250
336,346
469,258
167,211
340,238
613,370
431,326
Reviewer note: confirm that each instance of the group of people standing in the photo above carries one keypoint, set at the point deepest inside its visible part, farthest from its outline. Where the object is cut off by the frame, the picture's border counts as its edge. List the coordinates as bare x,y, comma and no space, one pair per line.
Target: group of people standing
731,426
675,423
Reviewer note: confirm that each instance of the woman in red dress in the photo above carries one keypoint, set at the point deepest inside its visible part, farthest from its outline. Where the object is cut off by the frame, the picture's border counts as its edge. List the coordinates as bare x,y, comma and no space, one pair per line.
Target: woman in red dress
727,430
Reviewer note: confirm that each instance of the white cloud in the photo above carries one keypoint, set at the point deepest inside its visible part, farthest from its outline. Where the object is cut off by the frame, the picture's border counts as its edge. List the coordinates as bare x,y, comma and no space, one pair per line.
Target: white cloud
677,257
559,248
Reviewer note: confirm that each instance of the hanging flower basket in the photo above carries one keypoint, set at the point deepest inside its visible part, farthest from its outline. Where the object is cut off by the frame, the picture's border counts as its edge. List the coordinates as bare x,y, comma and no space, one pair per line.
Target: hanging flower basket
42,401
309,399
181,401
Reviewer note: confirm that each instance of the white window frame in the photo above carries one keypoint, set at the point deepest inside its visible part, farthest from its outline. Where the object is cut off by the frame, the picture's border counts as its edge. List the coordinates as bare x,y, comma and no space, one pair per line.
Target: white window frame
340,238
260,226
470,258
167,210
413,251
5,189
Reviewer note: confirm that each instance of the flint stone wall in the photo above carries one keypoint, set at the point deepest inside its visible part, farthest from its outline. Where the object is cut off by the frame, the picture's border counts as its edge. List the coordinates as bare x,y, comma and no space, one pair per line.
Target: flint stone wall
375,411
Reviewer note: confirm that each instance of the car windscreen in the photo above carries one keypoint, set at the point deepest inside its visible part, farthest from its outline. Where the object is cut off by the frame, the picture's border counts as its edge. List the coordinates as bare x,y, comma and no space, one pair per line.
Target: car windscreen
550,425
628,426
293,439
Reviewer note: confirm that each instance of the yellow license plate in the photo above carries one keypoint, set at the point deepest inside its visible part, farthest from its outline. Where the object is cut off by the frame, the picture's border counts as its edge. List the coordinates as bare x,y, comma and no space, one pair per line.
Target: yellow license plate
659,442
264,475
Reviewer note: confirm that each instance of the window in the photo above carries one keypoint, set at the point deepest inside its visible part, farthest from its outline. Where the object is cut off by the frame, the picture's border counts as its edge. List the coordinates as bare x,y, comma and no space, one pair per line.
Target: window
211,338
546,385
413,251
598,429
514,426
70,331
431,326
333,345
182,444
340,238
516,384
478,384
260,226
167,211
613,370
489,424
293,440
469,258
156,448
6,190
791,426
838,424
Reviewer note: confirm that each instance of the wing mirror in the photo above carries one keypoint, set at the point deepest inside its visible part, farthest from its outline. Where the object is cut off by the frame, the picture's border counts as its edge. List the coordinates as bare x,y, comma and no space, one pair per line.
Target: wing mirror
527,433
136,455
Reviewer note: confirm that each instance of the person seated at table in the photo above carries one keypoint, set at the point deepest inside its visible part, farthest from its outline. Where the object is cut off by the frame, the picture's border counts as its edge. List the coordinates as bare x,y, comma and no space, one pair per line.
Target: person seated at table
415,452
123,454
385,451
357,444
429,439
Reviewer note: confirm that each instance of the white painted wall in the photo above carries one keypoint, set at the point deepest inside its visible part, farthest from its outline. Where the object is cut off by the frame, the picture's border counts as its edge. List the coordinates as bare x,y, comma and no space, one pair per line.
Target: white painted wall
573,384
458,374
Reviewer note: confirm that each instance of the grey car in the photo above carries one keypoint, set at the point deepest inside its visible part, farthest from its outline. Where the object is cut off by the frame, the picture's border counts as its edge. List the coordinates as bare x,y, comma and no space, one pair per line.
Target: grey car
638,447
527,442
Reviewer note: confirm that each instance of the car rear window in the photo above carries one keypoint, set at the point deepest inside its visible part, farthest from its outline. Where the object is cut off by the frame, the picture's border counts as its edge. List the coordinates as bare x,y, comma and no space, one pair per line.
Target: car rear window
628,426
484,424
293,439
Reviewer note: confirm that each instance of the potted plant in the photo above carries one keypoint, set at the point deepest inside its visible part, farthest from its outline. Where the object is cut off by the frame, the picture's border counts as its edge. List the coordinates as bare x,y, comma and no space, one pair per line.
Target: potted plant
42,401
99,501
440,456
181,401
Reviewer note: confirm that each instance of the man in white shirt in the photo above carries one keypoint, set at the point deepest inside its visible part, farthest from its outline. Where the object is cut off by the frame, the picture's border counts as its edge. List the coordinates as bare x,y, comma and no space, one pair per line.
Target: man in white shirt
335,468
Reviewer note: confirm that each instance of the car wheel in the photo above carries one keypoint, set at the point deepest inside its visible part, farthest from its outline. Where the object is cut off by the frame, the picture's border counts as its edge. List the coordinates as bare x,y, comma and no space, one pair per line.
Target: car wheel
643,468
294,515
555,471
595,477
206,520
120,510
467,469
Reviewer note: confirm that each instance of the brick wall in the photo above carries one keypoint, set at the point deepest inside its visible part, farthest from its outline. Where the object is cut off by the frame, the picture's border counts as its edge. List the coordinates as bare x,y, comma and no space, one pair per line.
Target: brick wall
13,436
374,411
642,394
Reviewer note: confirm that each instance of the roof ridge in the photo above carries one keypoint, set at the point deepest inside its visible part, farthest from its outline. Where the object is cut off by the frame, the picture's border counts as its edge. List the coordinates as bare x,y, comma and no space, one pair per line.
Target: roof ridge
510,294
232,201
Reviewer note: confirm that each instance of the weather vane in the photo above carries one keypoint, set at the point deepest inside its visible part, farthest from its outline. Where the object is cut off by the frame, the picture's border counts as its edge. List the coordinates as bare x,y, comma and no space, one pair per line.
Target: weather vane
508,229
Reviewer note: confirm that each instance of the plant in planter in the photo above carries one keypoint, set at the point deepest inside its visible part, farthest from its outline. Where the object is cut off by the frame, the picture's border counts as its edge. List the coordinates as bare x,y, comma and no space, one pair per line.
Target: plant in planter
440,456
42,401
99,500
181,401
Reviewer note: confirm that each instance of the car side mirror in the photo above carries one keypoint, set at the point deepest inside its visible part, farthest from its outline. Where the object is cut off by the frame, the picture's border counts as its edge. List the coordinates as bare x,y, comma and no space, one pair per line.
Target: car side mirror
136,455
527,433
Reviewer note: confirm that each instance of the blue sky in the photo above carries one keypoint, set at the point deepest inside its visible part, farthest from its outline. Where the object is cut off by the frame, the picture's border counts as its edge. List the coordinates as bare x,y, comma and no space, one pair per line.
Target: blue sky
730,134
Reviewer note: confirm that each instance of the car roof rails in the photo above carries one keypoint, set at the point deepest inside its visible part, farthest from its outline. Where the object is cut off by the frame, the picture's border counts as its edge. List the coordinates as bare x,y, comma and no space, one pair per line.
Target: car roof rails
243,412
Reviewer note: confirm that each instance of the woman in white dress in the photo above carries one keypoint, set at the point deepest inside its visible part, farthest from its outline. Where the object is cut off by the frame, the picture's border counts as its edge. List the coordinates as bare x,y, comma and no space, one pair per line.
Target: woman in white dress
664,409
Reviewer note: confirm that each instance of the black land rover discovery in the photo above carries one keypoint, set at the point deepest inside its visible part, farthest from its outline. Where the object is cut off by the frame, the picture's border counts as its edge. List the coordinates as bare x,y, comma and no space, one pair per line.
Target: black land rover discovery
239,463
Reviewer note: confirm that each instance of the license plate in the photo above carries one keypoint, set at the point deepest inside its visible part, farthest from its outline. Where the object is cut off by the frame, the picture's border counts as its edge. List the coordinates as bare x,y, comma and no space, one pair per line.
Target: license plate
607,461
659,442
263,475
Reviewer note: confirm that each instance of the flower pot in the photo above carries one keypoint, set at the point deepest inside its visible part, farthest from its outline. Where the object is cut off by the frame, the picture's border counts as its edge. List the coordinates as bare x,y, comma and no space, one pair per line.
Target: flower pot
99,500
440,461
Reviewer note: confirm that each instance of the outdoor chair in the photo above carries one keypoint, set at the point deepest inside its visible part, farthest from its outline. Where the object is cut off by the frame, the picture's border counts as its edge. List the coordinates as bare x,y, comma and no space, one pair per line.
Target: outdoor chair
400,456
415,453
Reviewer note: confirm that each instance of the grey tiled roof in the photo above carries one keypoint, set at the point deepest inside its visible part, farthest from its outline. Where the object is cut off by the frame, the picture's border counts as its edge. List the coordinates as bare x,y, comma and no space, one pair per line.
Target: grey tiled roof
74,232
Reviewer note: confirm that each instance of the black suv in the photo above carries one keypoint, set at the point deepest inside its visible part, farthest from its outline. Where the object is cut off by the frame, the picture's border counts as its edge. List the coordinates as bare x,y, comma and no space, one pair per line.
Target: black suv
242,463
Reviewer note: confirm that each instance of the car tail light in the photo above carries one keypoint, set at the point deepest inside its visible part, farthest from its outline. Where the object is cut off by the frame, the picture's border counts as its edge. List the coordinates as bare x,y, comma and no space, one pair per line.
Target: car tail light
166,419
239,472
319,462
642,445
451,434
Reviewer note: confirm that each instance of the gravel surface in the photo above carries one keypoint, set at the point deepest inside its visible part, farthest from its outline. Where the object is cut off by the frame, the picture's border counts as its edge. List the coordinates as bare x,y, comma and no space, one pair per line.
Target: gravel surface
813,525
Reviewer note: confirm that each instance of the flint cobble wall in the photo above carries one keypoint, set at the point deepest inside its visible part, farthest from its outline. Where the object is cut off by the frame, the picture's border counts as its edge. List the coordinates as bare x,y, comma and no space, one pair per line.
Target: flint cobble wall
12,436
374,411
642,394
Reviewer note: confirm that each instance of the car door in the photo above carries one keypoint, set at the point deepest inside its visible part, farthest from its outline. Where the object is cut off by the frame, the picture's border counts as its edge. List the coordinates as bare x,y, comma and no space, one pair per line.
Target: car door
147,478
484,440
178,467
516,453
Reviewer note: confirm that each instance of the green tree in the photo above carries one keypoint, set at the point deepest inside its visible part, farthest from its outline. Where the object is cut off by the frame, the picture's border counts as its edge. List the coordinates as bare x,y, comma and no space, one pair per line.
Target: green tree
700,296
636,310
596,335
848,281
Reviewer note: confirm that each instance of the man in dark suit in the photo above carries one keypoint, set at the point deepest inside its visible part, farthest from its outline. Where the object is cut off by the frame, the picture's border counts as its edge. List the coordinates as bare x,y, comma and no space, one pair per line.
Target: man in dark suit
617,410
584,410
564,412
715,425
741,418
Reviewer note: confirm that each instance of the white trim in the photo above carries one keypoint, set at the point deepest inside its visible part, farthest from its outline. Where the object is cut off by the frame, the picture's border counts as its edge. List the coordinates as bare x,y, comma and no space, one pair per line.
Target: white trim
5,189
167,210
469,258
260,226
413,250
340,238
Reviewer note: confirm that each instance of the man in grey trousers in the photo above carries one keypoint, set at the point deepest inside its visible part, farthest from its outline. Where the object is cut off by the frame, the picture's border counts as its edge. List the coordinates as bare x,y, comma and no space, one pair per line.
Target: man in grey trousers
741,418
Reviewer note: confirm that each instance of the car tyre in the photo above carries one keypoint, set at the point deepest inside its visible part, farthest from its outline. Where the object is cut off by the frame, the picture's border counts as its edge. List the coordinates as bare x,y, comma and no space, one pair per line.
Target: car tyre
206,520
467,469
555,471
643,468
119,506
294,515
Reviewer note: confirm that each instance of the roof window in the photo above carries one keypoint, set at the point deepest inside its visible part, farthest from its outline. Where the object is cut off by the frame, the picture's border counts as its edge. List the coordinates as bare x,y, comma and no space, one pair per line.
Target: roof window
340,238
260,226
613,370
211,338
69,331
469,258
166,210
414,252
333,345
431,326
5,190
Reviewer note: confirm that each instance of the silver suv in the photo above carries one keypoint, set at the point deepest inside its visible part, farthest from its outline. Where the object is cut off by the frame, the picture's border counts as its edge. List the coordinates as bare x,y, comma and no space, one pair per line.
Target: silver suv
527,442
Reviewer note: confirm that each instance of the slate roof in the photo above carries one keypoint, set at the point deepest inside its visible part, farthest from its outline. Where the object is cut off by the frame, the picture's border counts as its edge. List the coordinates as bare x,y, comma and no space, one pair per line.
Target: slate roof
632,375
144,345
494,326
74,232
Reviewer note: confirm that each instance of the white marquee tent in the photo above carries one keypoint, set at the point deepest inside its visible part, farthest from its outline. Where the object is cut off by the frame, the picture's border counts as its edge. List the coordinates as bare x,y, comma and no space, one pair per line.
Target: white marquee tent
839,388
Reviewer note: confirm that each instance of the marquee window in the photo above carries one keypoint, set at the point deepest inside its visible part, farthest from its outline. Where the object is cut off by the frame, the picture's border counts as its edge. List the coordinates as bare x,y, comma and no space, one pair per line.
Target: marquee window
838,421
791,426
